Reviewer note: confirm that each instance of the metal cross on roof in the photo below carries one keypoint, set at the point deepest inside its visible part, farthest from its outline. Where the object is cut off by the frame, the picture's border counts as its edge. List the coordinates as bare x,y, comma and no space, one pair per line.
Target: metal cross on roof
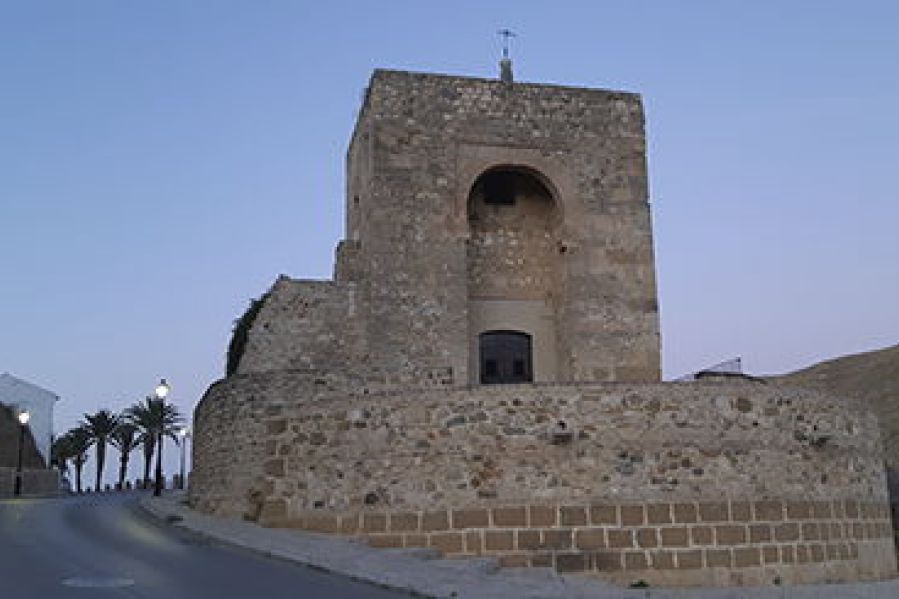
506,34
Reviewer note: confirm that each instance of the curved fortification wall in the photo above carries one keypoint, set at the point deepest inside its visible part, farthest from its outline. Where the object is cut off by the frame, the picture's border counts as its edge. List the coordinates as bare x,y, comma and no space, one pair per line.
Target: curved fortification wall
676,483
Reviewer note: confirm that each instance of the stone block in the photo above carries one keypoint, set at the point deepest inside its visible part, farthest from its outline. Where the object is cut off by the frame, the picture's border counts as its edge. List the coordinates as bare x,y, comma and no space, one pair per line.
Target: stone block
685,513
541,515
447,542
374,522
658,513
674,537
730,535
474,542
514,560
607,561
434,521
403,522
689,560
499,540
604,514
510,516
701,535
471,518
632,515
713,512
822,510
788,531
572,562
620,538
760,533
590,538
528,540
810,531
571,515
718,558
636,560
662,560
769,511
556,538
542,560
745,557
740,511
801,510
647,538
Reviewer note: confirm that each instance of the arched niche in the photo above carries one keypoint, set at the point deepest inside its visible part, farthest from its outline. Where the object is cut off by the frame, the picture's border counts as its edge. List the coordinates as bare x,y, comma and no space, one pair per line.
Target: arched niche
513,265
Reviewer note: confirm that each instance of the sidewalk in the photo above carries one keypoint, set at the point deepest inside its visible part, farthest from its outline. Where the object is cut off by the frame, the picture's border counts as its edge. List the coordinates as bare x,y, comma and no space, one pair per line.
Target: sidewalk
421,572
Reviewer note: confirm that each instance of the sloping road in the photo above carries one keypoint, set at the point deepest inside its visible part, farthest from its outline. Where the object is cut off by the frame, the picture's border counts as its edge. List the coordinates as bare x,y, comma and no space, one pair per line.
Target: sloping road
105,546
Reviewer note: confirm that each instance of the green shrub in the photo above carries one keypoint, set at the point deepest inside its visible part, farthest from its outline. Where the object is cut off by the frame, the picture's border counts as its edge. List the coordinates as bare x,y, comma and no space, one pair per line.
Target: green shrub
241,333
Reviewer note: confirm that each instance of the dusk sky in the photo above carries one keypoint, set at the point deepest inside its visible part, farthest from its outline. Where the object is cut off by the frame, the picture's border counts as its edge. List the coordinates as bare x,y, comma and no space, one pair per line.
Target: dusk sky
162,162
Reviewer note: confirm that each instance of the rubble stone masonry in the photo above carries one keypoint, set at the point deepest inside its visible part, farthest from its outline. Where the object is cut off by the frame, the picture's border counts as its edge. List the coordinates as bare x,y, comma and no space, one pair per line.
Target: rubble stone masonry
677,483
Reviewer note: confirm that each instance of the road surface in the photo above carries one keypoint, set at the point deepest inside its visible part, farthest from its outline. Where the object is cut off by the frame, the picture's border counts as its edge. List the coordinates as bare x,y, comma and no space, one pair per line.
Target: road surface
100,546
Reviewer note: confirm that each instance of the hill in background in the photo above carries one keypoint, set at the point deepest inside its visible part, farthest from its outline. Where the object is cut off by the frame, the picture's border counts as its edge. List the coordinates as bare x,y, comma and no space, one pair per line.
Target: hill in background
872,378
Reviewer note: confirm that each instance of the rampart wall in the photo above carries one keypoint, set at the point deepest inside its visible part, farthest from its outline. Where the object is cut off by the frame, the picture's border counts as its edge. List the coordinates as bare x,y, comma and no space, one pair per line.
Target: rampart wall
677,483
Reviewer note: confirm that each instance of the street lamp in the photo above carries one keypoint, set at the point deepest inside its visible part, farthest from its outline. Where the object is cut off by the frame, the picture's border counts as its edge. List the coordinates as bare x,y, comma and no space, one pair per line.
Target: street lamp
162,390
183,434
23,417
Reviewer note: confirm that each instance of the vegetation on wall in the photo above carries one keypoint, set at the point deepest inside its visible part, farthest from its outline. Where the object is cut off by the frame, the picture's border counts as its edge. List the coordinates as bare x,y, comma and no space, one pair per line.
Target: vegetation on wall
241,333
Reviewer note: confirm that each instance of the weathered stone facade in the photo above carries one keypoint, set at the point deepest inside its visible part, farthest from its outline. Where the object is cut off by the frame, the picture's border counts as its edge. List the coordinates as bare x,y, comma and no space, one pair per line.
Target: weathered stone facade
429,263
476,208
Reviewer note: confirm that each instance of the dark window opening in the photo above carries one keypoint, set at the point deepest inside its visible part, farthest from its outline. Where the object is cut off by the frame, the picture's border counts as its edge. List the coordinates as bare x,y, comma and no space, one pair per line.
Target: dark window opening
490,368
501,187
505,357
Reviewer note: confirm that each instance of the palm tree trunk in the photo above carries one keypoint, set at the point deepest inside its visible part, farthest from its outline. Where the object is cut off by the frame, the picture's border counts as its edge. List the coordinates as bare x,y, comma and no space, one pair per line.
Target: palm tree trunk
123,470
101,457
148,458
78,465
158,490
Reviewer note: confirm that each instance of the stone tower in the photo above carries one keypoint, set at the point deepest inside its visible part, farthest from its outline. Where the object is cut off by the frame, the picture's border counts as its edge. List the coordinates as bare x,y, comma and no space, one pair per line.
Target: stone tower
495,233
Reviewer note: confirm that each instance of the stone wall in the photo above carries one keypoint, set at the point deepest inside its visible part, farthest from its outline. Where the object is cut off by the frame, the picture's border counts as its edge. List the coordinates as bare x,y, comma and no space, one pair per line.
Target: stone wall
762,470
303,325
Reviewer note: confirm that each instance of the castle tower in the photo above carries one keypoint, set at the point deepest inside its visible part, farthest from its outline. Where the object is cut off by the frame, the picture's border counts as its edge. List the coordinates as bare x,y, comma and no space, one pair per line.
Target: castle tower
496,232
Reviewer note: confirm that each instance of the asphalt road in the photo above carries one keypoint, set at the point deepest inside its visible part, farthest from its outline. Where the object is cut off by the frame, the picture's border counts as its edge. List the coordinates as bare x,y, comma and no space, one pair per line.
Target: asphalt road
105,546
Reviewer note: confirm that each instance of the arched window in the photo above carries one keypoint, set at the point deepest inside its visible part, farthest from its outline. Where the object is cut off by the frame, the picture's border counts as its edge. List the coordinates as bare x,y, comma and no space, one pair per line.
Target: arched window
505,357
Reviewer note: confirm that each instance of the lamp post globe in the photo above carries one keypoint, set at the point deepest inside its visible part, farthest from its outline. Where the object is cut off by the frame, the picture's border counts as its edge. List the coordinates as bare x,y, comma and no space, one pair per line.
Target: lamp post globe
23,418
161,391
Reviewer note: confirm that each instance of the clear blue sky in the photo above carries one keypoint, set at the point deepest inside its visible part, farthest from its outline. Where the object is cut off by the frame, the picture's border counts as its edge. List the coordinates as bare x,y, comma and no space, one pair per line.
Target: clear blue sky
161,163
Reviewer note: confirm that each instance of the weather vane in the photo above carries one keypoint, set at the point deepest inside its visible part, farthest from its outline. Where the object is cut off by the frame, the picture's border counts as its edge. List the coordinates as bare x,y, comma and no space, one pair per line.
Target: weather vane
506,34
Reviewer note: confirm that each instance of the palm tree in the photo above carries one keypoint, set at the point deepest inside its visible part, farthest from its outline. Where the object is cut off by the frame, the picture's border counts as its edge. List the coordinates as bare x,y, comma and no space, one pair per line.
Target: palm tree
156,420
141,415
100,427
61,452
77,440
125,439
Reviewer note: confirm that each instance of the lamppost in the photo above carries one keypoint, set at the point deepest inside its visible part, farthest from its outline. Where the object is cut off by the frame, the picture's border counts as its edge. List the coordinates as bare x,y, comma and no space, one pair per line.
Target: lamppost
184,434
24,416
162,390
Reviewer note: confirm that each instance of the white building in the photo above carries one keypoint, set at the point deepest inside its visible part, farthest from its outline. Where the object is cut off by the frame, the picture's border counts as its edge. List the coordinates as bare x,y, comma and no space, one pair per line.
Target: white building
22,395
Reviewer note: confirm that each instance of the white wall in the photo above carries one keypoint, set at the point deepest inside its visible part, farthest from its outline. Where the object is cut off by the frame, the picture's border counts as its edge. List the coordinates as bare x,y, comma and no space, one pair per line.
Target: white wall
22,395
